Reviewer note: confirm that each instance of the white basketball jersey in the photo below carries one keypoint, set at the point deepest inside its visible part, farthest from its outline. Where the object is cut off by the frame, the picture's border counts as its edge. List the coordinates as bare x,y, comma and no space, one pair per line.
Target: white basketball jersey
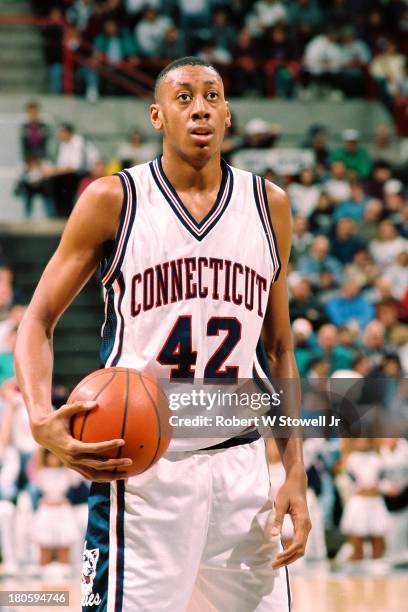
185,300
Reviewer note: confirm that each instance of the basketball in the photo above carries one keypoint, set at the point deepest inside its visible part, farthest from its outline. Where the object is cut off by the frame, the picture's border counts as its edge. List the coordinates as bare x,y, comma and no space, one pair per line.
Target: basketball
131,406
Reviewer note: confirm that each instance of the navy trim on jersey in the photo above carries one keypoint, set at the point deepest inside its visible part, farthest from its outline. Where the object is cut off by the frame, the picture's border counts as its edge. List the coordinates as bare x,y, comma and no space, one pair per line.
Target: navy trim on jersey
120,542
109,328
266,223
97,538
268,212
121,283
197,229
288,589
112,267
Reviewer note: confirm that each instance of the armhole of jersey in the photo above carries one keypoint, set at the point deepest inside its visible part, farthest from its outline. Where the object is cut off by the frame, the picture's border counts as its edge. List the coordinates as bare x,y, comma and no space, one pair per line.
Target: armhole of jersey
261,200
111,268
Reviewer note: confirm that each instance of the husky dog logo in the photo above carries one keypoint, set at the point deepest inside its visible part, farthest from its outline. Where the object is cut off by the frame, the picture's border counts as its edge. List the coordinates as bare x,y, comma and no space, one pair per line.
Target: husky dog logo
90,559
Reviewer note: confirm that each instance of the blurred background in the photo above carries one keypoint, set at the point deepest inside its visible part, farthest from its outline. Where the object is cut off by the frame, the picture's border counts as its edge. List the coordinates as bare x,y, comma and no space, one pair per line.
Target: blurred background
319,96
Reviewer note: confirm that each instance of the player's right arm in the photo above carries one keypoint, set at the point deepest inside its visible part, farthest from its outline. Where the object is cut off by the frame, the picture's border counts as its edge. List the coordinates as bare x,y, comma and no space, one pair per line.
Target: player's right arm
92,225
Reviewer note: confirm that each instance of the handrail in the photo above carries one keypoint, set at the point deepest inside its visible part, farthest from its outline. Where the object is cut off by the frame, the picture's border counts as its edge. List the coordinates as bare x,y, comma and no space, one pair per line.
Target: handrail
70,58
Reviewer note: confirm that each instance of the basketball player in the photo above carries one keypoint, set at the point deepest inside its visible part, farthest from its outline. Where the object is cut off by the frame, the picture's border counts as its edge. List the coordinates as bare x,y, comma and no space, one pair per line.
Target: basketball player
193,273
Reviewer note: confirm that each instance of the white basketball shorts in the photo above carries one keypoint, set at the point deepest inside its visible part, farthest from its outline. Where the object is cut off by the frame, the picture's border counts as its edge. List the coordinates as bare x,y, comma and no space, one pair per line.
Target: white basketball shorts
188,535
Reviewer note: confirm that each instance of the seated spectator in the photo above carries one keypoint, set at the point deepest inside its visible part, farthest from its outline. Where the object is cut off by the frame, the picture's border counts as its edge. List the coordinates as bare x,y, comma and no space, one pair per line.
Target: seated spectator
304,193
114,44
194,14
265,14
362,267
259,134
345,241
373,343
279,48
80,12
397,274
136,150
388,244
321,219
372,216
303,304
353,156
34,134
339,357
301,238
223,32
380,174
173,44
387,68
304,344
150,32
394,199
53,36
350,306
353,207
33,183
318,260
209,52
98,170
304,17
74,156
249,79
316,139
323,61
396,332
384,147
357,55
336,185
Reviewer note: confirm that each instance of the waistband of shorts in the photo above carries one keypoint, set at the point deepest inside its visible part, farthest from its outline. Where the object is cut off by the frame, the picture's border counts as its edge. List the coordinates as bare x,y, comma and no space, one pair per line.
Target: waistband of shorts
248,438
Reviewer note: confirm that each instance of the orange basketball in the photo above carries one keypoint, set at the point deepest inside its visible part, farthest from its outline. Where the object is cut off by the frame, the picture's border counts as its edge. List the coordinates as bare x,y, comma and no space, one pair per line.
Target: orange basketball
131,406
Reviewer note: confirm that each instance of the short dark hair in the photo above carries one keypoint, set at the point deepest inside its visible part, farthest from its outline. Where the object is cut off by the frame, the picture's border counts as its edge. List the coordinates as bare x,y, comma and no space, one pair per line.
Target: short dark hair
188,60
68,127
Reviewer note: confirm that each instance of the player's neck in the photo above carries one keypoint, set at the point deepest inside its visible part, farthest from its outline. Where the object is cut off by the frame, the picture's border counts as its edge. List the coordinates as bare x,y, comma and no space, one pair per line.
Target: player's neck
184,175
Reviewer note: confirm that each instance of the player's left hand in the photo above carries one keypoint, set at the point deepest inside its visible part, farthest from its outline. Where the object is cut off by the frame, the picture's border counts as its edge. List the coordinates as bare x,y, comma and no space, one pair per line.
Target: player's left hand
291,499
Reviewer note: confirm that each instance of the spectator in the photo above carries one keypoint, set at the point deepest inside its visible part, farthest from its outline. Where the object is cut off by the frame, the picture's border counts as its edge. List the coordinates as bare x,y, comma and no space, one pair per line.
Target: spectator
74,156
321,219
336,185
34,134
80,12
304,16
354,157
304,344
249,79
350,306
357,55
339,357
33,183
194,14
136,150
374,342
265,14
304,193
303,304
279,48
150,32
388,244
345,241
387,68
384,147
397,274
380,174
301,238
355,206
53,50
372,215
323,61
173,44
316,139
362,268
223,32
209,52
319,260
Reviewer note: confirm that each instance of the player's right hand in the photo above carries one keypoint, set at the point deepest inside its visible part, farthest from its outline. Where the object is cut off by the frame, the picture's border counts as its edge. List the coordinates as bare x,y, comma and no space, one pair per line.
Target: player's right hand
53,432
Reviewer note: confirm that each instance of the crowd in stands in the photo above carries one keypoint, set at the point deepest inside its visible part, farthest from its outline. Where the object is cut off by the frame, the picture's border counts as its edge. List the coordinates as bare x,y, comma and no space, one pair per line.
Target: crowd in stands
263,47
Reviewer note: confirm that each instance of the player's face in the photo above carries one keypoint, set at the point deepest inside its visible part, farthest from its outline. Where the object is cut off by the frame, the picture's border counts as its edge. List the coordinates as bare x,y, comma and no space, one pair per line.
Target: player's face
191,111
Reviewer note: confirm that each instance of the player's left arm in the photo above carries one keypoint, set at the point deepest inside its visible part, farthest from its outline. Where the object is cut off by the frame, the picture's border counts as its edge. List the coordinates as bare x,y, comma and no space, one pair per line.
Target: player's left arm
277,337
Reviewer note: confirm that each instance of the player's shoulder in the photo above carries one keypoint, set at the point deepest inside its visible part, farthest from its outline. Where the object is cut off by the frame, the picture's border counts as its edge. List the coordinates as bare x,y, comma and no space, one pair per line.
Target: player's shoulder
277,198
106,187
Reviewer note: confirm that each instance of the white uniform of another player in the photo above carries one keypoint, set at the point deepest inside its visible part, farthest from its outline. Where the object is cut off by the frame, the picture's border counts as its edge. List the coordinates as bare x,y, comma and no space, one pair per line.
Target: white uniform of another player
186,300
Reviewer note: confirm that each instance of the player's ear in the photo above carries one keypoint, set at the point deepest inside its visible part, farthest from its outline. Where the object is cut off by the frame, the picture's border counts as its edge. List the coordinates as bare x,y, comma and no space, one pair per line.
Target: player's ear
155,116
228,117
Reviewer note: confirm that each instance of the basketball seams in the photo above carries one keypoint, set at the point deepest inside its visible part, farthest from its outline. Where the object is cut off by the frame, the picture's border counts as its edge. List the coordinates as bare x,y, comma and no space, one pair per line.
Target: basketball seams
85,417
157,419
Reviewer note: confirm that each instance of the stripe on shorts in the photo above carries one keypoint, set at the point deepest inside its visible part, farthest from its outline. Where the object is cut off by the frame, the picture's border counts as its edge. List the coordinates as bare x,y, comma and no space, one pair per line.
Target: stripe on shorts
261,200
127,217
